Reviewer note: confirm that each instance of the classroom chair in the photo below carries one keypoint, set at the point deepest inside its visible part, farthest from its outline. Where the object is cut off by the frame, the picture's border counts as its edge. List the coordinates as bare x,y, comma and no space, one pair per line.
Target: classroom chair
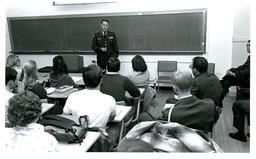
166,67
211,68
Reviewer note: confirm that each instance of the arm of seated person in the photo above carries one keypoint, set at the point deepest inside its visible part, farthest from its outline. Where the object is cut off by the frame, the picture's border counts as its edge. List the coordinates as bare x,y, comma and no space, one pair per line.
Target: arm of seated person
164,114
113,110
67,109
131,88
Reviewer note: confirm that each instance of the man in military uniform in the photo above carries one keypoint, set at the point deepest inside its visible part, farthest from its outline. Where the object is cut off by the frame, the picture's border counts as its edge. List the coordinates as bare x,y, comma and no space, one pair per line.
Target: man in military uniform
104,44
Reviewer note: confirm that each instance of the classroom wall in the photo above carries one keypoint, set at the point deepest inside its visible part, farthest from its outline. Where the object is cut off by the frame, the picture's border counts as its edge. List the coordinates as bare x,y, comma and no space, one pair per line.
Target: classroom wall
220,27
241,32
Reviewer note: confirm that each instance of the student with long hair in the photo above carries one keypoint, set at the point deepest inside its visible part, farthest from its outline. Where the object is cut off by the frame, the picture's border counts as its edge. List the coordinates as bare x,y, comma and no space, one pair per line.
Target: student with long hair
13,61
31,80
59,74
140,74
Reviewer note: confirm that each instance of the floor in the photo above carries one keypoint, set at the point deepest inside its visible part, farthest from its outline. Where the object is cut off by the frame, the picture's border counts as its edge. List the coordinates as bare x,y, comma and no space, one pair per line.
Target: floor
222,127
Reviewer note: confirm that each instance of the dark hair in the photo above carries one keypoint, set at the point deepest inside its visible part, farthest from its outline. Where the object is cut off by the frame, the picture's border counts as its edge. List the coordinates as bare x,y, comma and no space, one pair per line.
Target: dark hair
10,75
134,145
249,41
59,65
182,80
113,64
104,20
24,108
92,76
200,63
139,64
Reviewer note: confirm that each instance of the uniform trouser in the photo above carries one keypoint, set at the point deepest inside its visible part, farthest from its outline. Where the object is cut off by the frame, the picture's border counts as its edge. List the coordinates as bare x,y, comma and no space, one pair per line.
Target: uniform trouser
241,109
102,59
226,82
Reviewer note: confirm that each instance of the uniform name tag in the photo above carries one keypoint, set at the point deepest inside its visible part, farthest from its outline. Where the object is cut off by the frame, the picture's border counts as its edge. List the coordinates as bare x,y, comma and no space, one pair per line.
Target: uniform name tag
99,38
111,37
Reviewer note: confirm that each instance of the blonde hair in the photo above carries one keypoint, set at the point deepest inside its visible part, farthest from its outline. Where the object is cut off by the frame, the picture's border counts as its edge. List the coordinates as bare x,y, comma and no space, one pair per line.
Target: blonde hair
183,80
31,73
12,60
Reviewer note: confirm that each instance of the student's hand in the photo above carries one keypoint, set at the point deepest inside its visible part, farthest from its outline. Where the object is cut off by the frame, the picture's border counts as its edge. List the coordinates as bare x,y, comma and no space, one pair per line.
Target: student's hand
21,87
229,73
103,49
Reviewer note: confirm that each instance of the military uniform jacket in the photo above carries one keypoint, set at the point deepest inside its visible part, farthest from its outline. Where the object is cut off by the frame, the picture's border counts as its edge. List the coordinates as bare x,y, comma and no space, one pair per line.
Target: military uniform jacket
108,40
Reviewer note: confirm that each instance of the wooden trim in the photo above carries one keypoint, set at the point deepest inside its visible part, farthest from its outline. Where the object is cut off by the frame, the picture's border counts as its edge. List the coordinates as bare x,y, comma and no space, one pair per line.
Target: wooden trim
204,10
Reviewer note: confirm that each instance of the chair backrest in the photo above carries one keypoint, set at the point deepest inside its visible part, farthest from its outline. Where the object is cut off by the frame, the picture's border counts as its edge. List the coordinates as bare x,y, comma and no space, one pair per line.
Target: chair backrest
211,68
166,66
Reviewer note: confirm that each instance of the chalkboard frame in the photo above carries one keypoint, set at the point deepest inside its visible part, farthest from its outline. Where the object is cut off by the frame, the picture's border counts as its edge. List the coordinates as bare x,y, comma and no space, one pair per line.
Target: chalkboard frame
125,52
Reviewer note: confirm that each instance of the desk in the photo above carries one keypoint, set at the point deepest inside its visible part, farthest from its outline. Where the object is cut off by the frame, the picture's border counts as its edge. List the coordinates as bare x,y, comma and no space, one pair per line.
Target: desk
121,112
127,94
62,95
90,138
46,107
80,82
48,69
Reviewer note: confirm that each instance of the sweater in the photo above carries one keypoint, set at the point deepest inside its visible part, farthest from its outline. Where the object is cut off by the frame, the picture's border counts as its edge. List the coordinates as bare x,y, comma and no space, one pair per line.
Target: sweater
61,80
116,85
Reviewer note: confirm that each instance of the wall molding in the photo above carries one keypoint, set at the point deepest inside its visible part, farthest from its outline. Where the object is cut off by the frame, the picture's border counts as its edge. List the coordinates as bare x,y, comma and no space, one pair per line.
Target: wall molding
238,39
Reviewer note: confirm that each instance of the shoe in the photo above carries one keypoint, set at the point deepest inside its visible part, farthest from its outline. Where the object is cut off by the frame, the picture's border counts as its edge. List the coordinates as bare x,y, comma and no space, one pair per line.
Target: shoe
238,136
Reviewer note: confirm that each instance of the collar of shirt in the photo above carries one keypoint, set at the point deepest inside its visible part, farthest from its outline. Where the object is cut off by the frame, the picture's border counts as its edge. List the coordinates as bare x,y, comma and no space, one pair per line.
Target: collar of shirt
112,73
185,97
104,32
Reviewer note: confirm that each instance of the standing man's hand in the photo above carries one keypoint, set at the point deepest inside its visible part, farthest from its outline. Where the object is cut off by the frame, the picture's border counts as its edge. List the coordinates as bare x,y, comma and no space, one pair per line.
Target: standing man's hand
230,73
104,49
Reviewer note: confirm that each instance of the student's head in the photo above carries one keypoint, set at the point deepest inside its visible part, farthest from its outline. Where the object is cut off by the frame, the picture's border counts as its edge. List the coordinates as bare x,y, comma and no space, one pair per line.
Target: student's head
10,75
113,64
10,79
139,64
199,65
248,46
24,108
59,65
134,145
13,60
104,23
31,72
92,76
182,81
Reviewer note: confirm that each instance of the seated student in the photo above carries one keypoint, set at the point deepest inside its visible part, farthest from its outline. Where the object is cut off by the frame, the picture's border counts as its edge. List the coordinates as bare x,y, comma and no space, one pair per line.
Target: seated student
115,84
31,80
140,74
239,76
189,110
205,85
10,87
98,106
26,135
241,109
13,61
59,74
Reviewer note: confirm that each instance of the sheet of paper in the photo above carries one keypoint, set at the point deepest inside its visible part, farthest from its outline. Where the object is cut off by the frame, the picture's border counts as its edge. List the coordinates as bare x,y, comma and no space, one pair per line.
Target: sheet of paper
168,105
76,79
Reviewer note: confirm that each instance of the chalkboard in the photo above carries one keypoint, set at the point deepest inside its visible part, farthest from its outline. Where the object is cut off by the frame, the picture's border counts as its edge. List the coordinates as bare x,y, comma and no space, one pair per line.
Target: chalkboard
159,32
